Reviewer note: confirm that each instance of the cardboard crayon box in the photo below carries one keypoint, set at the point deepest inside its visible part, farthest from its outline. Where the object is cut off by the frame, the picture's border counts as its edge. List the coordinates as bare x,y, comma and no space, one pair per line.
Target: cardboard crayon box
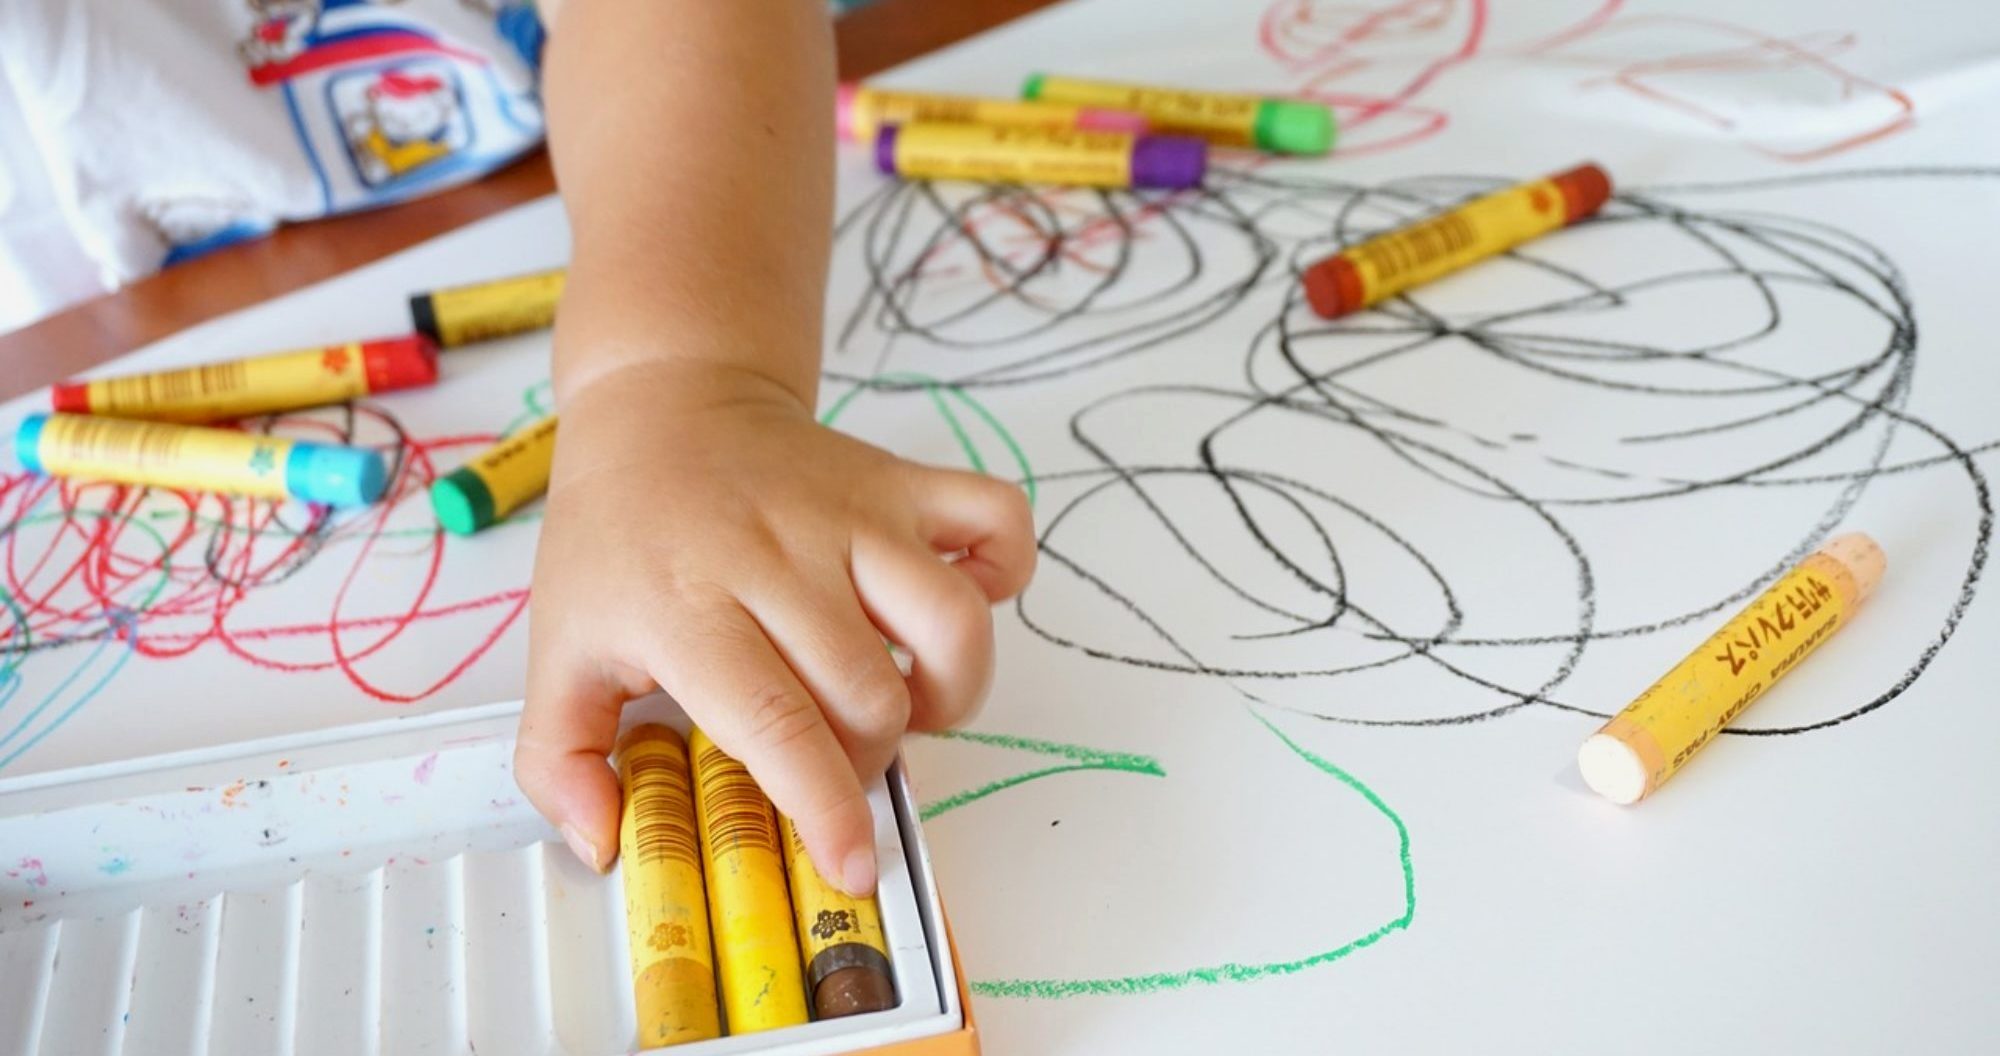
379,889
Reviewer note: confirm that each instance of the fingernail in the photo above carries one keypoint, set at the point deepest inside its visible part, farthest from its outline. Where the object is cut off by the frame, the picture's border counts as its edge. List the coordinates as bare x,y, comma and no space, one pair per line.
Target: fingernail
857,874
582,848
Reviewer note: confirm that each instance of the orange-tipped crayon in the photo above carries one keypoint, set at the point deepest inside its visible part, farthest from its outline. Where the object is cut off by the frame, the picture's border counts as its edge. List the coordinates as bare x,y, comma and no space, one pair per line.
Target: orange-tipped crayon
1429,249
238,388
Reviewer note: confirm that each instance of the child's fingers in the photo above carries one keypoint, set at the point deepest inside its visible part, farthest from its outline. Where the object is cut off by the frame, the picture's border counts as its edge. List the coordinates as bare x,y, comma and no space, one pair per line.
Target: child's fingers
829,642
941,616
568,727
986,518
725,672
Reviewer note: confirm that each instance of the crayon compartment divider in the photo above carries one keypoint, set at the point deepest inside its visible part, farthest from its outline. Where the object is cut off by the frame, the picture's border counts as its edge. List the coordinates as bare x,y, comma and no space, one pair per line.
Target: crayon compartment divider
382,889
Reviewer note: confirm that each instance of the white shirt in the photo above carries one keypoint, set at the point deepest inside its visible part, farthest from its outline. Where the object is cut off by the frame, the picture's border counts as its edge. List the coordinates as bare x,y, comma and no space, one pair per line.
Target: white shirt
138,133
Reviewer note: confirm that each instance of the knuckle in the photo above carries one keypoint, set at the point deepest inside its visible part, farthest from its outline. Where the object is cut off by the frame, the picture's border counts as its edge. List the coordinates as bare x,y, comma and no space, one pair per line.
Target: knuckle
531,772
527,763
779,716
876,704
1014,509
843,806
967,612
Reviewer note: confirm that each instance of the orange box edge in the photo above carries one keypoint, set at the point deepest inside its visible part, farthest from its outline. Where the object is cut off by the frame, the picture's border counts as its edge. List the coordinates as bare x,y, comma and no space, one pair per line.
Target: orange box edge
961,1042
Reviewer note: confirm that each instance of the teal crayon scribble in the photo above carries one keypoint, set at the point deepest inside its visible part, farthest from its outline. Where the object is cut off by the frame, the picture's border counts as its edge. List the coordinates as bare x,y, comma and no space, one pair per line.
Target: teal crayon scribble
1080,758
121,632
1231,971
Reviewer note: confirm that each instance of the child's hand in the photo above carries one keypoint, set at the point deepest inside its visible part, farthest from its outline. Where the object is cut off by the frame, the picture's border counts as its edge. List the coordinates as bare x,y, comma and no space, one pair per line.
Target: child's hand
706,534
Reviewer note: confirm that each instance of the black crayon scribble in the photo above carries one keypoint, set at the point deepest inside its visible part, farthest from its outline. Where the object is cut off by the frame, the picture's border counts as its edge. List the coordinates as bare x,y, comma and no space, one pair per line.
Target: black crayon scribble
1653,305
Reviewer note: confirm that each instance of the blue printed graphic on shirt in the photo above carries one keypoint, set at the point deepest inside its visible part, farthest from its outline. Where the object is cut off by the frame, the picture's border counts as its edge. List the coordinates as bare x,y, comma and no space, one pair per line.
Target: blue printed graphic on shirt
384,106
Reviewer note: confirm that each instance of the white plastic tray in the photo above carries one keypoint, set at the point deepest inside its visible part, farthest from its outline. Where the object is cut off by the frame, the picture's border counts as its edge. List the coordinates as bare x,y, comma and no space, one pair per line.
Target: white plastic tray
381,890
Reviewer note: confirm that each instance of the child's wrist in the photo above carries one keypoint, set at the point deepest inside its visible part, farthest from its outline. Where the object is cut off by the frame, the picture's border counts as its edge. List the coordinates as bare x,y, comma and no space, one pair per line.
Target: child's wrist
680,385
621,339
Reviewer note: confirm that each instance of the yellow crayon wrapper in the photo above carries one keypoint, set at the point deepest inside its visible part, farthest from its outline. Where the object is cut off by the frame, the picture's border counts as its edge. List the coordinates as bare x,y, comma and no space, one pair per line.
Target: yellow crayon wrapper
1223,119
846,952
238,388
1013,155
864,110
1647,743
666,907
749,905
194,458
502,479
464,314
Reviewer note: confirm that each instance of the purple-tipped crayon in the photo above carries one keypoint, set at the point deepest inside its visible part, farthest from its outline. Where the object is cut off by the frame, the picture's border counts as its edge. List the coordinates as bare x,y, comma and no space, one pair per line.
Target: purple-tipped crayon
1068,157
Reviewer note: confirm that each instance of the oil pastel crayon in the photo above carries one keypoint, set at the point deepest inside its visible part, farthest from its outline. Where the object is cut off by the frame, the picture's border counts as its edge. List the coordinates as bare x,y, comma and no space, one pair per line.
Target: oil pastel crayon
464,314
666,905
846,952
502,479
861,111
1390,263
749,907
1039,155
268,384
1647,743
195,458
1224,119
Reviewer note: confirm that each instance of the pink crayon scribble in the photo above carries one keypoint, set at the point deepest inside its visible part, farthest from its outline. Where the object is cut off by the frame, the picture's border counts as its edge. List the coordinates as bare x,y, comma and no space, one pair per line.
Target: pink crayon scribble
423,772
30,872
1374,62
1726,76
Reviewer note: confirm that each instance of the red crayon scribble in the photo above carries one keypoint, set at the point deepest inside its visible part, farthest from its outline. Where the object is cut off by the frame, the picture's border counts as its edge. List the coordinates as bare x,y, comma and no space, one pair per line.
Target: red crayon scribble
1690,65
172,574
1373,63
30,872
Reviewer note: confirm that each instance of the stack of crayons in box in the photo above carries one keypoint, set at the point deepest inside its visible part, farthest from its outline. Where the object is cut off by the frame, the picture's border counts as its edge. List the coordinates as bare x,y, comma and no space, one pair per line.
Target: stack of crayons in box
721,899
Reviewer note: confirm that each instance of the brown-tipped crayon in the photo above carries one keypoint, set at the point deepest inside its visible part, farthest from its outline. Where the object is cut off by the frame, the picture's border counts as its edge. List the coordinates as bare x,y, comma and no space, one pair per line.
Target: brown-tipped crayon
846,953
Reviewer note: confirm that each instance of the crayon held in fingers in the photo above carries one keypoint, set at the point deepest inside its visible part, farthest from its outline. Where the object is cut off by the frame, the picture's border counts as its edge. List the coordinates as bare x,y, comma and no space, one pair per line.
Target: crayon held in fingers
1040,155
749,908
862,111
268,384
846,954
1644,745
502,479
1224,119
1390,263
194,458
666,906
464,314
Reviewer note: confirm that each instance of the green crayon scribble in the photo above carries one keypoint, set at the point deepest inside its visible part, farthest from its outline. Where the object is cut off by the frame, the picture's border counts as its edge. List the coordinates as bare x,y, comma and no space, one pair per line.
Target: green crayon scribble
537,403
938,392
1232,972
1081,758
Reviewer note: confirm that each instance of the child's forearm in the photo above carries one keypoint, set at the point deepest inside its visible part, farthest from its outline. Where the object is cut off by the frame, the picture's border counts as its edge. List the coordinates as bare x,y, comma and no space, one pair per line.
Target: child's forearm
693,145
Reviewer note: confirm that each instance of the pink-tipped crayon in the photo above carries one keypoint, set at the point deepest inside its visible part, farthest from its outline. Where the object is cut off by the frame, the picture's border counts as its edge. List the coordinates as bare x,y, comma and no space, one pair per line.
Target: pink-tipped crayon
1039,155
860,112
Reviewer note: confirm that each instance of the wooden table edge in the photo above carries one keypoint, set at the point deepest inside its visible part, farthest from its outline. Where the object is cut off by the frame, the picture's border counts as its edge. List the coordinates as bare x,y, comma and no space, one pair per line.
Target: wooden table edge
871,39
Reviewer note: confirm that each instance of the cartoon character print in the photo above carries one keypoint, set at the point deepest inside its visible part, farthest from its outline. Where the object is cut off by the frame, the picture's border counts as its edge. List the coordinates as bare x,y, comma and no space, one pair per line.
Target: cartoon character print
279,33
407,118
